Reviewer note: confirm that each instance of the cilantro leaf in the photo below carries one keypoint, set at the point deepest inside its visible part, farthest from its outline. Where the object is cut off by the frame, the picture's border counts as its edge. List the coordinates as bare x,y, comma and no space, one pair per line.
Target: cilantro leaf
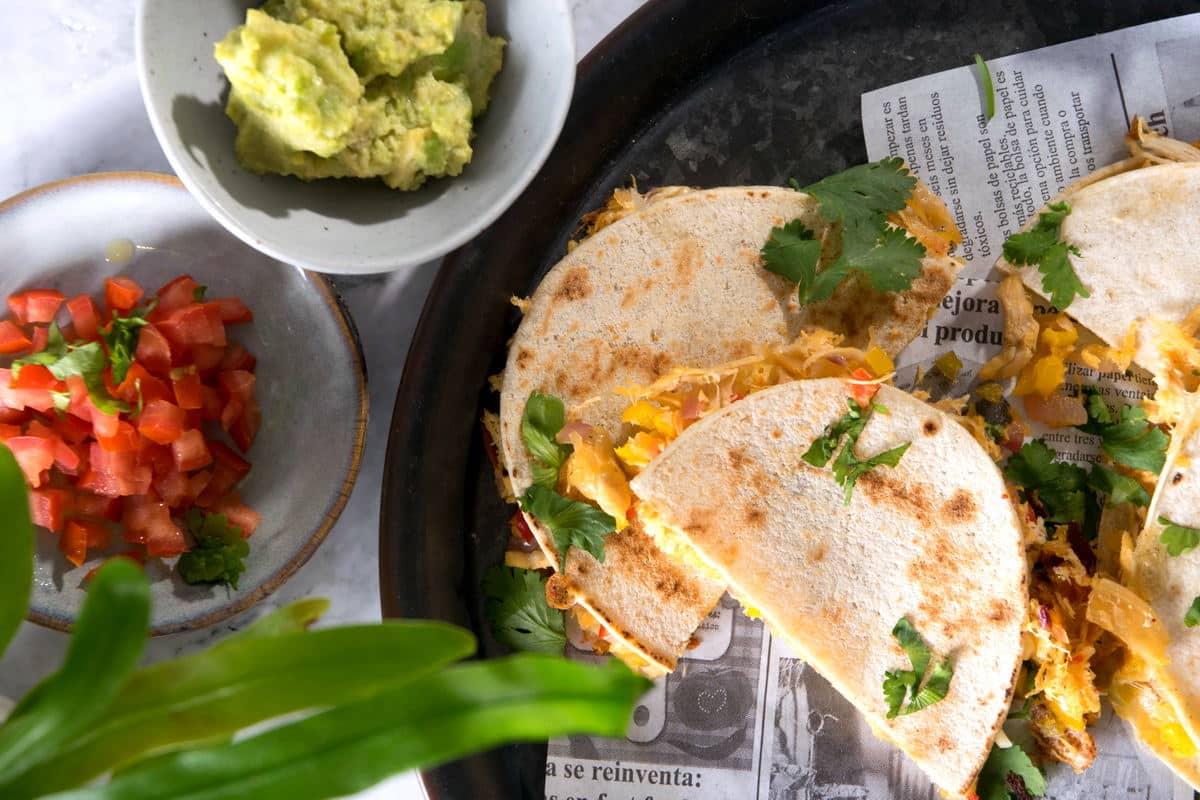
62,401
1179,539
848,467
56,348
1041,246
543,418
865,192
121,339
1059,487
793,252
1192,617
1119,488
899,684
519,614
217,556
825,445
859,200
993,783
570,522
1134,442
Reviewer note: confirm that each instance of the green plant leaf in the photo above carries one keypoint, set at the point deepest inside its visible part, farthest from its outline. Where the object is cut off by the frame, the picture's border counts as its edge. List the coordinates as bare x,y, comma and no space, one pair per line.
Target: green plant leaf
16,548
297,616
255,676
104,650
461,710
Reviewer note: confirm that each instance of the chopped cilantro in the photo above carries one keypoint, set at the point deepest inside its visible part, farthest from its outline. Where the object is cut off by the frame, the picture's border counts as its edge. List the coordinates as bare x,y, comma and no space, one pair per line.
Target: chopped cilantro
1058,487
985,86
121,339
517,610
570,522
217,556
198,293
1179,539
65,360
1041,246
848,467
1129,438
901,684
1192,617
1004,767
543,418
1119,488
859,199
62,401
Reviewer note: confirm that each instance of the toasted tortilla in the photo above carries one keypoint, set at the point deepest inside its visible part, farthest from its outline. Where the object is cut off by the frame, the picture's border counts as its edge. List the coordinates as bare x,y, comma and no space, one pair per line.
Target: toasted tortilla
677,283
1170,583
935,540
1137,233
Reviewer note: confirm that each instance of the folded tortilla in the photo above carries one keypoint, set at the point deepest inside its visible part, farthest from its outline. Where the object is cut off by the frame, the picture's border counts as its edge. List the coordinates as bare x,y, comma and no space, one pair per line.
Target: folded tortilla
935,540
1170,584
1137,233
677,283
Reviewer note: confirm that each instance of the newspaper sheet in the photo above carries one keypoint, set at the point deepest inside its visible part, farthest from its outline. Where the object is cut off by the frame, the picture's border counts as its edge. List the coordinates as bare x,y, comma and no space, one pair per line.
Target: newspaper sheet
744,718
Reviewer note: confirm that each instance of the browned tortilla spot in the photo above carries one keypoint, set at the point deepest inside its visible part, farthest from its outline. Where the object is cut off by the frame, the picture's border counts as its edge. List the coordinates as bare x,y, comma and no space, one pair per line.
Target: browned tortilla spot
737,458
818,551
686,260
882,489
524,355
575,285
930,427
999,611
960,508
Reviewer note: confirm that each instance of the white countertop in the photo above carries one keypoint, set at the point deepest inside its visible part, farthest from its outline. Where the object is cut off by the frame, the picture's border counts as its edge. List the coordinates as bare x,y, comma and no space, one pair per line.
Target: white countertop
72,106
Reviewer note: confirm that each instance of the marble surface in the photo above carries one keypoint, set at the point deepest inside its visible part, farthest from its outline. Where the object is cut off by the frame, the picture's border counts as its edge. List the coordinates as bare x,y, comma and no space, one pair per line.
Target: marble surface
73,107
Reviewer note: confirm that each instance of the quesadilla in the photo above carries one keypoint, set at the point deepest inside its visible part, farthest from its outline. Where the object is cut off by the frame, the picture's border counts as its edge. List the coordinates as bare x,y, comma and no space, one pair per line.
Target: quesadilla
1117,278
933,540
671,280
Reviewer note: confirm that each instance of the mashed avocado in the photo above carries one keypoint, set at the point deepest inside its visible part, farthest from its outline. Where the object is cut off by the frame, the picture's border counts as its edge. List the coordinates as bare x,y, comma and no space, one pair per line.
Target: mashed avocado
369,89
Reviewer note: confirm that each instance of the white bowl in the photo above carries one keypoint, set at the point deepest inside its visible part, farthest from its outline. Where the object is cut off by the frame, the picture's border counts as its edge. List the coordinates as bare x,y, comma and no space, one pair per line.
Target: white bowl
352,226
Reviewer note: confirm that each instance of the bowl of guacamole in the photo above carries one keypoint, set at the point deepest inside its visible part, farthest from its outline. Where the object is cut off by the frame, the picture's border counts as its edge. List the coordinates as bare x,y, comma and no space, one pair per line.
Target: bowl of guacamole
356,136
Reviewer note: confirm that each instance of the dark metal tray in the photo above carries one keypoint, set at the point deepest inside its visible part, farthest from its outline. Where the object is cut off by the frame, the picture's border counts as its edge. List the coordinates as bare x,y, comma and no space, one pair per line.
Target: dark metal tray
695,92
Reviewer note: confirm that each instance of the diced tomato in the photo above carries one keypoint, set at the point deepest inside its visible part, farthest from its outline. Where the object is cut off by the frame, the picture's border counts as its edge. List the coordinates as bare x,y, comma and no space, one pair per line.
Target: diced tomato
153,350
207,358
195,324
141,384
233,310
72,429
35,305
238,513
115,474
65,458
35,376
863,392
161,422
13,339
239,358
174,489
125,440
104,425
190,451
245,430
9,431
34,455
98,534
49,507
147,520
121,293
226,459
16,416
213,405
41,338
74,543
36,399
85,316
241,416
175,295
93,505
187,388
157,457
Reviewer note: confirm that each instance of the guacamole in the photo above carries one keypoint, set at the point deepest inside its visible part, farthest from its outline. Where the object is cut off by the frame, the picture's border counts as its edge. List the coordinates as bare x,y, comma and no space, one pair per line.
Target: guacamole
369,89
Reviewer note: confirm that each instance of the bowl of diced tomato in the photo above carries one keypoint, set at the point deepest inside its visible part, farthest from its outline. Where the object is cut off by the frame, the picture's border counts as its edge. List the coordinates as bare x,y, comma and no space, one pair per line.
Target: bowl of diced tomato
172,397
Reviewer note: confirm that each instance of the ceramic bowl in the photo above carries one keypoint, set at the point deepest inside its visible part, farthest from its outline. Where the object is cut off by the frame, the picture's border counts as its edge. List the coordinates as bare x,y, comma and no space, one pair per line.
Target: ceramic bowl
311,383
351,226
